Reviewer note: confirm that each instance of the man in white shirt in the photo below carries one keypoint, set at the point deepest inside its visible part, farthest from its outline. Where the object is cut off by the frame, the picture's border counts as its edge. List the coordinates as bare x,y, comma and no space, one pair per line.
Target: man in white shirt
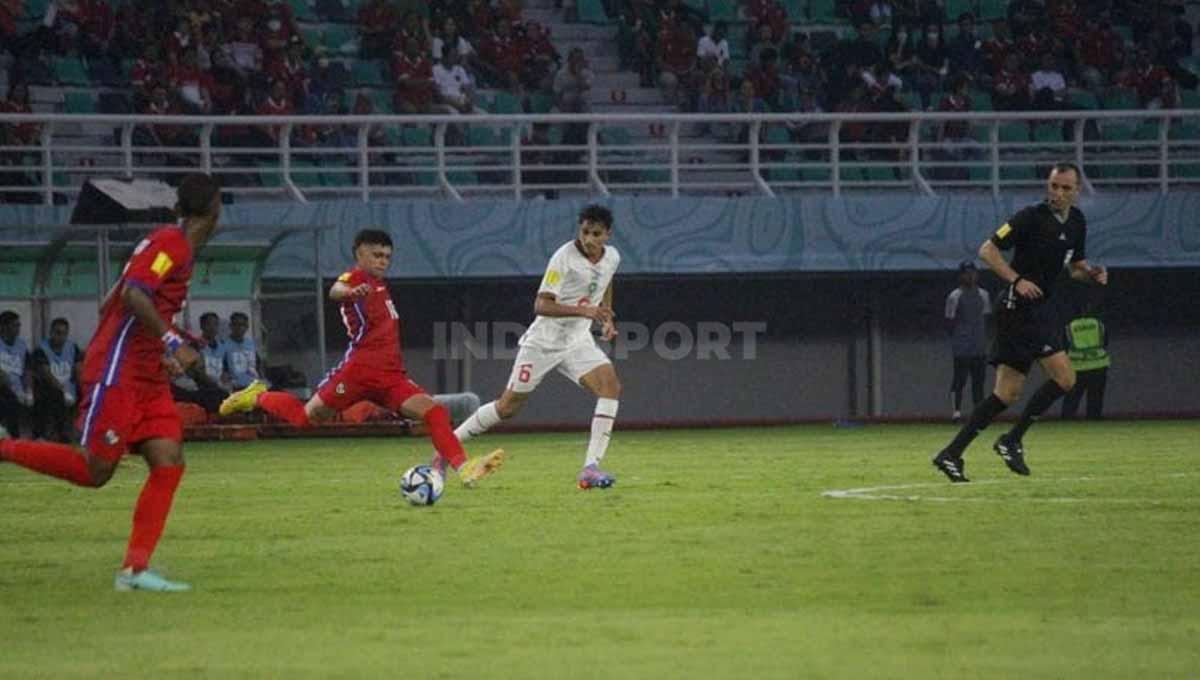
1047,84
715,47
575,291
455,87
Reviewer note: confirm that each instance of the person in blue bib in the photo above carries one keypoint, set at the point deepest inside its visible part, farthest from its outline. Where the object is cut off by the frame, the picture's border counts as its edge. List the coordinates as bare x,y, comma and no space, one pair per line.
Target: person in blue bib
56,363
16,382
241,353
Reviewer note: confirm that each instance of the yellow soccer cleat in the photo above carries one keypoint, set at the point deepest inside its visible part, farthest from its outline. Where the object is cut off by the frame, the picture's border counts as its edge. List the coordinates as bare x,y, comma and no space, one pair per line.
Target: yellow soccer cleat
476,469
244,400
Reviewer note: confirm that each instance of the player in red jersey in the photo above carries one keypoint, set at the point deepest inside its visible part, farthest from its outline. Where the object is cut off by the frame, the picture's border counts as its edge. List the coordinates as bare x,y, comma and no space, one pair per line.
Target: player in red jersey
373,366
127,403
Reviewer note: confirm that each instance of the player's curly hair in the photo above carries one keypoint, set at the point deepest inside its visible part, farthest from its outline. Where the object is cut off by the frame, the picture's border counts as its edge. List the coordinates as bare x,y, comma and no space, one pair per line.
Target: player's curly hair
372,237
596,213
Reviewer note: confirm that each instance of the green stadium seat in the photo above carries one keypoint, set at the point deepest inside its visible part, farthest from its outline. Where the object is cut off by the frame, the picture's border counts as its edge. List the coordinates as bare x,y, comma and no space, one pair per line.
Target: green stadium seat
79,102
1014,132
723,10
655,176
591,12
1126,32
417,136
851,174
957,7
815,174
70,71
340,37
541,102
785,174
302,11
981,101
1018,172
312,36
383,101
979,173
880,173
305,173
269,174
481,136
339,179
1189,99
990,10
1048,133
506,102
795,10
367,73
462,177
1185,171
1120,99
823,11
36,9
614,136
1147,131
1083,99
1185,132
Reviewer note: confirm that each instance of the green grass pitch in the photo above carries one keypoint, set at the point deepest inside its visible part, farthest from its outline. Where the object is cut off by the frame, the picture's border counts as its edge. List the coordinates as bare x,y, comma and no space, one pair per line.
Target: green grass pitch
716,556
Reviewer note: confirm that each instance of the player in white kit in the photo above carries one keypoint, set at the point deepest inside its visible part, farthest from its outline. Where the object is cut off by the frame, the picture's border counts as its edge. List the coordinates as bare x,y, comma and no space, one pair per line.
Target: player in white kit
576,290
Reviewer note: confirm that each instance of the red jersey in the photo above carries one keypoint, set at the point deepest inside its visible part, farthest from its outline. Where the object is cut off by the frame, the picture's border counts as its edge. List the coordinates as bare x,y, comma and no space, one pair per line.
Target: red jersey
161,266
372,325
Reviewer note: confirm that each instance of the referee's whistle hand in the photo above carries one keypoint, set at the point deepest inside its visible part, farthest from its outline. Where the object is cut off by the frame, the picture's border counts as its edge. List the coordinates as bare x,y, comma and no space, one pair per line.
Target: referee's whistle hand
1028,289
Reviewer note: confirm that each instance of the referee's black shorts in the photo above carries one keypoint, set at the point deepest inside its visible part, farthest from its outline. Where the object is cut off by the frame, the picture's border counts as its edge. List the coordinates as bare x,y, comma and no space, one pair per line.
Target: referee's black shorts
1026,334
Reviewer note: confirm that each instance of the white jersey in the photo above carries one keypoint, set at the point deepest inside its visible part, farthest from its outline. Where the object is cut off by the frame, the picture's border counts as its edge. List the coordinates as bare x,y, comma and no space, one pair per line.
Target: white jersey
574,280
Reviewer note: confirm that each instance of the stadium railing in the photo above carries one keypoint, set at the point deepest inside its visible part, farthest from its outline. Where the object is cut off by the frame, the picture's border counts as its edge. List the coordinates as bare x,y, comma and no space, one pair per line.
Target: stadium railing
519,156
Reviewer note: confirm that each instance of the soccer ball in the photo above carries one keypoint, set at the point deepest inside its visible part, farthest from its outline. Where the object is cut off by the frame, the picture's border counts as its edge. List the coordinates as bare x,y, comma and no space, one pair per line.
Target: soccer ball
422,485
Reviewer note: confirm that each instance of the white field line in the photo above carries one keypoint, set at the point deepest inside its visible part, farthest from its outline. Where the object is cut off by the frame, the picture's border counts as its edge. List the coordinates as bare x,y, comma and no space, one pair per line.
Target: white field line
894,492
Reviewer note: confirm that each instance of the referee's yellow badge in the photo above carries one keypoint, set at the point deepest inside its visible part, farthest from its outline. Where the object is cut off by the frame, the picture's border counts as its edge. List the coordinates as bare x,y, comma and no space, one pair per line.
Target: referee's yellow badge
162,264
344,278
553,277
1004,230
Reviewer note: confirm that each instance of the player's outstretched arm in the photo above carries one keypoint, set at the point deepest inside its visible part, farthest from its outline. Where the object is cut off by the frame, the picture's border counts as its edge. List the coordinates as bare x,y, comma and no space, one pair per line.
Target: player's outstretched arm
547,304
343,291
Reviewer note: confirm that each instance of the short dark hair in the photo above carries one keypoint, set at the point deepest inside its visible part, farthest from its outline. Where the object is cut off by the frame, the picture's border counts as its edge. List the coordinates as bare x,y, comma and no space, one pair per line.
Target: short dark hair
1063,166
60,321
196,193
596,213
372,237
8,316
239,315
209,315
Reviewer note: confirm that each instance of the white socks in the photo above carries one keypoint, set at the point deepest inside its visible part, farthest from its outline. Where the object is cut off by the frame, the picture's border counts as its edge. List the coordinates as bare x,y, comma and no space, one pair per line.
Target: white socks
602,425
481,421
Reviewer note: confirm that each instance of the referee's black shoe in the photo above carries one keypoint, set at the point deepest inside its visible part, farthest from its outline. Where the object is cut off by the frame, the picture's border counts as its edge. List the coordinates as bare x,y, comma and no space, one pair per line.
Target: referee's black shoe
952,466
1012,453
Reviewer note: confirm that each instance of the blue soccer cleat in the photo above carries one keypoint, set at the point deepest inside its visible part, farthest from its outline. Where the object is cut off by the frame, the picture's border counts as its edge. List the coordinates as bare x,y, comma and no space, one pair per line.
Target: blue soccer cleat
147,580
592,477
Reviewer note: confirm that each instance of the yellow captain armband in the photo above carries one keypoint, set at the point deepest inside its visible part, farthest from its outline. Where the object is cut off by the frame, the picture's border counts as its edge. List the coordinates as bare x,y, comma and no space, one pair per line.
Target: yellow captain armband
552,277
1004,230
162,264
344,278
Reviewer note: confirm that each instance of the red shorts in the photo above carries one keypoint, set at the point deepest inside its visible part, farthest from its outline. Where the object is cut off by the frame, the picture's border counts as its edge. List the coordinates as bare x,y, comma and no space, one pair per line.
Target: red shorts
113,418
354,383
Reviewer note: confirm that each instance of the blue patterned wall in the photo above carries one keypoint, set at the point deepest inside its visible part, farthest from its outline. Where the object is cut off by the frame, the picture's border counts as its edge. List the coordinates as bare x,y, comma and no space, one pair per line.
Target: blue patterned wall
879,232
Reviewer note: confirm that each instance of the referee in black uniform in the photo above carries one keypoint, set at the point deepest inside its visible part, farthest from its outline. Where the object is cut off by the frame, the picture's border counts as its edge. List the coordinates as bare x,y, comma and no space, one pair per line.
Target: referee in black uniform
1045,238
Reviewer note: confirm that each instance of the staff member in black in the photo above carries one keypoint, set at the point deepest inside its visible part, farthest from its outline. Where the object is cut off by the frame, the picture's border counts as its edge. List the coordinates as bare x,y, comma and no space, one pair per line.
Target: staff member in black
1045,238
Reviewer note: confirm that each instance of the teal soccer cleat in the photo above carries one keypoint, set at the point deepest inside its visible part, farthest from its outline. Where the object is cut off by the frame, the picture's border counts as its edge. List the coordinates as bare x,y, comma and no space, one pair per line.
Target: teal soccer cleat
147,579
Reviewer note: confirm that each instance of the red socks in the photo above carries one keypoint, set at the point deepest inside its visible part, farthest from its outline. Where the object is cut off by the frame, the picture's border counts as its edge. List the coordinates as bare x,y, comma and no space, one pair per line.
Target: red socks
447,445
150,514
284,406
48,458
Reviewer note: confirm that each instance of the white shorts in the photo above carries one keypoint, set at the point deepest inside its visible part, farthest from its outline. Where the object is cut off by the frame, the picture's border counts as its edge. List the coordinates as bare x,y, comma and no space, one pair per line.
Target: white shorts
534,363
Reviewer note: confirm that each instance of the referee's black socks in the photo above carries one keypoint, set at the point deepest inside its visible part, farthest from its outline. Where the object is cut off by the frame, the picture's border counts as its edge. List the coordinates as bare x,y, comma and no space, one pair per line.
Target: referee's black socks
980,418
1046,395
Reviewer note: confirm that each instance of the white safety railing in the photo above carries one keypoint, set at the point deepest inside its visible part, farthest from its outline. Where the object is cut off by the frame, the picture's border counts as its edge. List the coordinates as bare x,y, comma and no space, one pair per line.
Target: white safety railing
520,156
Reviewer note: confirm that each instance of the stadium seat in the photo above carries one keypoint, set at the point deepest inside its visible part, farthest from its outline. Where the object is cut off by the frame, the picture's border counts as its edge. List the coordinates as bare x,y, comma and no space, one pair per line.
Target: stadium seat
655,176
1147,131
1018,172
957,7
303,11
541,102
851,174
795,10
823,11
340,38
981,101
1121,99
70,71
305,173
1048,133
338,179
1189,99
79,102
614,136
814,174
1185,132
269,174
312,36
506,102
1185,171
591,12
990,10
417,136
723,10
1083,99
479,135
880,173
461,177
1014,133
784,174
383,101
367,73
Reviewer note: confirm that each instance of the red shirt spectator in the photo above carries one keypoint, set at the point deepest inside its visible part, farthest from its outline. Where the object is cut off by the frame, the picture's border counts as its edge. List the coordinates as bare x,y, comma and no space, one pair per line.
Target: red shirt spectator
194,85
1064,17
18,134
1010,88
777,18
289,67
278,104
479,19
956,101
161,104
503,51
1100,47
998,47
414,80
96,20
678,54
1149,79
